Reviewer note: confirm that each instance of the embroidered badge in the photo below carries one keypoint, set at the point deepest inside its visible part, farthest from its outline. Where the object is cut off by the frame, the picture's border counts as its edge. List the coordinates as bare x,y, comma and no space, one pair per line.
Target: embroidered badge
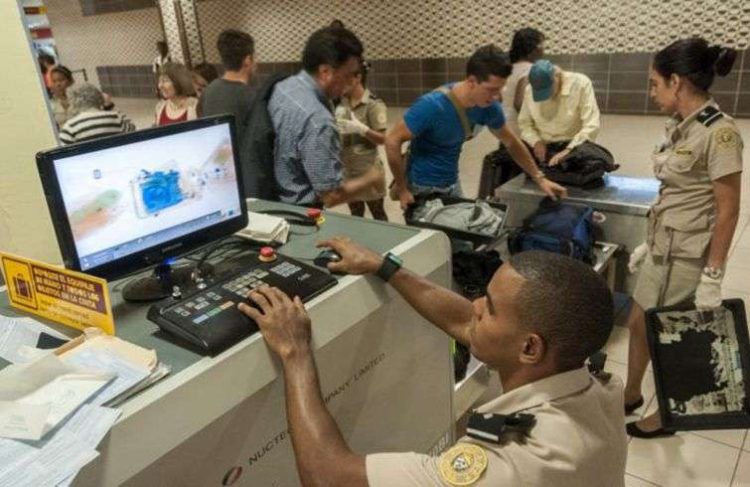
726,138
463,464
382,118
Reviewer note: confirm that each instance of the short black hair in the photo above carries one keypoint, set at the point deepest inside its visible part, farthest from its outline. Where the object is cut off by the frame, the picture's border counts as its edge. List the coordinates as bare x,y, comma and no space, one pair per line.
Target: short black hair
565,302
63,71
234,46
525,42
207,71
330,45
695,60
488,61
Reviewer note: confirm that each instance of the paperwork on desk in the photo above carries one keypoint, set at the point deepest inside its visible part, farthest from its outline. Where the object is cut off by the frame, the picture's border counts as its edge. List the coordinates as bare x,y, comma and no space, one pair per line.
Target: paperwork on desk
21,339
52,414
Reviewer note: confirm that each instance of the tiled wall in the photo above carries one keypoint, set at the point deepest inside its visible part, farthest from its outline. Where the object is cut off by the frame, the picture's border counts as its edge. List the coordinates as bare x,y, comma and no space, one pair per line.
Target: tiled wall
620,79
94,7
127,81
113,39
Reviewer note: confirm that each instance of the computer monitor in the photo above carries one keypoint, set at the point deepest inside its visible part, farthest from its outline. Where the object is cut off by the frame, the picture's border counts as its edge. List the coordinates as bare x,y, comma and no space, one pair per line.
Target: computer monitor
126,203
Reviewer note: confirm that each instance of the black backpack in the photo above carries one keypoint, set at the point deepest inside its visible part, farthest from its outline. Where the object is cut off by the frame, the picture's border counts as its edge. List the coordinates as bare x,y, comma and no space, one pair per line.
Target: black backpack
557,227
257,146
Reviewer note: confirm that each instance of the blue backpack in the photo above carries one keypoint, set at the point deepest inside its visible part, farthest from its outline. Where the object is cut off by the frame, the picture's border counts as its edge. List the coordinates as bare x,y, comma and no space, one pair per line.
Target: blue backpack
557,227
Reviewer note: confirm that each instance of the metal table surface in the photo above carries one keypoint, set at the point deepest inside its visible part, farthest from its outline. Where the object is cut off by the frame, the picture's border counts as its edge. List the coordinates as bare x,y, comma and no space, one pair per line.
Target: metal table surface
623,194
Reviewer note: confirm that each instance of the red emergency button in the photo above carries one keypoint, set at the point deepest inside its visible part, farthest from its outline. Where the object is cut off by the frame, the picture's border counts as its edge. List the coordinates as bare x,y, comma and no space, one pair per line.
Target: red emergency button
267,254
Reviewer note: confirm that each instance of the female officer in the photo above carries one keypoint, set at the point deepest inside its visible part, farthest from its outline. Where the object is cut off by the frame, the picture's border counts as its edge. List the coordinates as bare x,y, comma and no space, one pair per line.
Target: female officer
691,224
362,119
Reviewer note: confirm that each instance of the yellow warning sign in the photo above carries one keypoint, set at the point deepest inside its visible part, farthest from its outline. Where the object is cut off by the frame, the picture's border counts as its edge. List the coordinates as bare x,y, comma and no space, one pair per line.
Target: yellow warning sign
70,298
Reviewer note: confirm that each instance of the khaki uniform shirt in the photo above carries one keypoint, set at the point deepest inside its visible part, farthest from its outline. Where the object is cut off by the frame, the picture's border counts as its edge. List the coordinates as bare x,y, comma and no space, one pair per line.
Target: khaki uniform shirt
571,115
358,153
578,440
695,152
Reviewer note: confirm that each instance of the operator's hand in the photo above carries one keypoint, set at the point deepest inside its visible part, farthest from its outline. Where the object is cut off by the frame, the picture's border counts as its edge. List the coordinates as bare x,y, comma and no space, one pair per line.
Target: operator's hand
283,322
540,151
637,256
355,258
708,294
352,126
558,158
552,189
406,198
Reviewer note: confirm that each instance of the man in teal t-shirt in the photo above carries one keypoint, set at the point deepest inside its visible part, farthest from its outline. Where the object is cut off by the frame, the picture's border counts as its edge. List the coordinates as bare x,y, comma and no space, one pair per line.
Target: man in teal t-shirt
437,132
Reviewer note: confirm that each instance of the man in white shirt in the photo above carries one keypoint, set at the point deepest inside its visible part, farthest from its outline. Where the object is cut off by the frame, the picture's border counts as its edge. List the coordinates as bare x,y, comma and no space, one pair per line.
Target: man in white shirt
558,107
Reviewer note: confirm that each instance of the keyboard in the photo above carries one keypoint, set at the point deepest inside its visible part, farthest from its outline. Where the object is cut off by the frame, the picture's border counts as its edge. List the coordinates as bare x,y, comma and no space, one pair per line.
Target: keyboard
209,319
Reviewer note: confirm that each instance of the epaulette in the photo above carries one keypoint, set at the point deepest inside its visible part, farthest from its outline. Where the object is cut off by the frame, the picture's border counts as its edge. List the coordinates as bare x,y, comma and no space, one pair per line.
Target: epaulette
709,115
491,427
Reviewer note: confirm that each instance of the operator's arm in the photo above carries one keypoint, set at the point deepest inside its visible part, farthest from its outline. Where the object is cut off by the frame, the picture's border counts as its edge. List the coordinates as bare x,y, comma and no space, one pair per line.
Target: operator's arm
445,309
323,457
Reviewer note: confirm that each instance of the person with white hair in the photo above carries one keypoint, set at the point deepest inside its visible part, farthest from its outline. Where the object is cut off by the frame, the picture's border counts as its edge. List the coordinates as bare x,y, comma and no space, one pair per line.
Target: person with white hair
91,120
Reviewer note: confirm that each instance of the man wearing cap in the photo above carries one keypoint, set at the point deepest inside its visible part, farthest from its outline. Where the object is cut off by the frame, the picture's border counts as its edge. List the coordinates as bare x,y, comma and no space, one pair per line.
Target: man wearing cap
438,124
555,424
559,110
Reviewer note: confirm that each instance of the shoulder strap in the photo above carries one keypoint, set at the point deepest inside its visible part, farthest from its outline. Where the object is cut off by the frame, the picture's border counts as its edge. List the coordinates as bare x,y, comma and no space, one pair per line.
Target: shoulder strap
468,134
709,115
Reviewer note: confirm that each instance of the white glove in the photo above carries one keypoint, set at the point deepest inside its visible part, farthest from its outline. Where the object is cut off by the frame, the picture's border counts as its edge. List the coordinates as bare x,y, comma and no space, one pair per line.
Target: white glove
637,256
353,126
708,294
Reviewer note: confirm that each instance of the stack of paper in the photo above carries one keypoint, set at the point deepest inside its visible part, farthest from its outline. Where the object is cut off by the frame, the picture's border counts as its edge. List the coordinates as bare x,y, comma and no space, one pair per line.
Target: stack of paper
265,228
22,338
51,409
134,367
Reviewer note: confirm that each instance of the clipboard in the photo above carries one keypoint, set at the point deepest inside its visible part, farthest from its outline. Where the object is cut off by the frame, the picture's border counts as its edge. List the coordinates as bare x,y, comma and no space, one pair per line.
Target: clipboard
701,364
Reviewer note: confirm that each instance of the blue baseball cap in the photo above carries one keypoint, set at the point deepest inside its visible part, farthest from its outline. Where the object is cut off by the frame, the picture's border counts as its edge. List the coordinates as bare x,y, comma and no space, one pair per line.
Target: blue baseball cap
542,80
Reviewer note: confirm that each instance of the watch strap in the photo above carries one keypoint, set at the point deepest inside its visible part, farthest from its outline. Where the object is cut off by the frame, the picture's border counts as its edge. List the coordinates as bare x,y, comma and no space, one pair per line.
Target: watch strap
391,264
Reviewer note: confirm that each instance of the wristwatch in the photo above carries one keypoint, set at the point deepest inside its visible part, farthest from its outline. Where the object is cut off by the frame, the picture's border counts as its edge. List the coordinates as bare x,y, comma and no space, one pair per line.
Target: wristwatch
713,272
391,264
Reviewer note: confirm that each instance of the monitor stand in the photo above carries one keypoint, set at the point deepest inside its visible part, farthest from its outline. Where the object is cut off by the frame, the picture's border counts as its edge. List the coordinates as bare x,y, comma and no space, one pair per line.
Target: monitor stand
165,281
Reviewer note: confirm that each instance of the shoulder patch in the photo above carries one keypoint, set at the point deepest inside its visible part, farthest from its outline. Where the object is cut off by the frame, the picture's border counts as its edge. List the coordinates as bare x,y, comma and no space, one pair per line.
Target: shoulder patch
709,115
726,138
463,464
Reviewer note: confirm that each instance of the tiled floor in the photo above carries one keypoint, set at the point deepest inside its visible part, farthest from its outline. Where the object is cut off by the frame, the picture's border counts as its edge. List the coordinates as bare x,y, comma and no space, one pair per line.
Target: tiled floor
708,458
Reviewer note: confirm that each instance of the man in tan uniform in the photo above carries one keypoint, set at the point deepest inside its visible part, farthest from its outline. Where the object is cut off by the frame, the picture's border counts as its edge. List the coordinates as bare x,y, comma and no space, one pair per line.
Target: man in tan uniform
362,119
555,425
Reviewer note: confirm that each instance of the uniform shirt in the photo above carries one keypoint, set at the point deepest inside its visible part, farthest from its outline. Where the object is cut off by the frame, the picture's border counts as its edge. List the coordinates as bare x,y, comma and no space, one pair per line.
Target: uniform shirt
93,124
358,153
696,151
438,137
225,96
307,156
572,115
578,440
520,70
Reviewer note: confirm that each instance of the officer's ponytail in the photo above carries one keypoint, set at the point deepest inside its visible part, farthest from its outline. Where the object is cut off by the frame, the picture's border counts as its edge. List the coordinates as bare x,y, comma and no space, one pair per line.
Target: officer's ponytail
725,57
695,60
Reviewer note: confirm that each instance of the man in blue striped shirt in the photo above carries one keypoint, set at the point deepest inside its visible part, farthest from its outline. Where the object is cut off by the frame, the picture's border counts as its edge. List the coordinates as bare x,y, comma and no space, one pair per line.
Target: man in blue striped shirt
307,156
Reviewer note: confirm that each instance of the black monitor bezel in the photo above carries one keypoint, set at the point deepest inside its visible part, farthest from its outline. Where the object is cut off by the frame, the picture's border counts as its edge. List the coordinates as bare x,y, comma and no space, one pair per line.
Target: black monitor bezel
147,258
